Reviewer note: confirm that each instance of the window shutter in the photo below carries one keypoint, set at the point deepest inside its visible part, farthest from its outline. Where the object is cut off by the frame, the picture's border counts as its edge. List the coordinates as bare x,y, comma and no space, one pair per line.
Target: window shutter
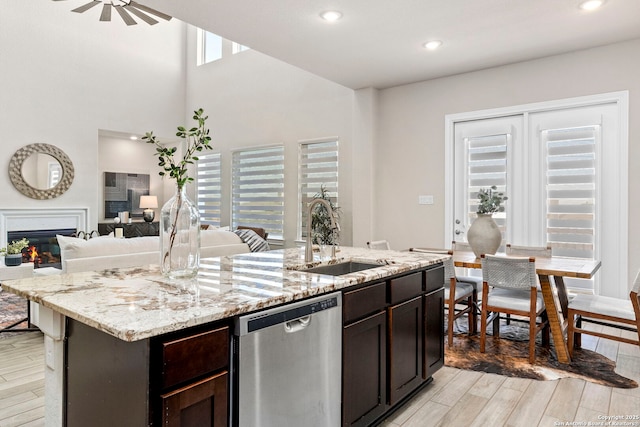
209,188
258,189
318,167
487,166
571,190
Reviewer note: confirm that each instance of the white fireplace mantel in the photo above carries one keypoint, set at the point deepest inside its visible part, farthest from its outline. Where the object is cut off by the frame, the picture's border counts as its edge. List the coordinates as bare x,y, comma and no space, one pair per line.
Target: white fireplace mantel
41,219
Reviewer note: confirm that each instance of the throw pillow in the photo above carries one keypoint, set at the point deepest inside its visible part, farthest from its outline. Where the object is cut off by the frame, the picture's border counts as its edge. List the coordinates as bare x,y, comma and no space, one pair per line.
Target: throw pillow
251,238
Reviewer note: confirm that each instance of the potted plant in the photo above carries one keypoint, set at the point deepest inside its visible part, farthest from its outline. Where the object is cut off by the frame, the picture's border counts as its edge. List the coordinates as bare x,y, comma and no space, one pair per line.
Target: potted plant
13,252
484,236
179,217
321,231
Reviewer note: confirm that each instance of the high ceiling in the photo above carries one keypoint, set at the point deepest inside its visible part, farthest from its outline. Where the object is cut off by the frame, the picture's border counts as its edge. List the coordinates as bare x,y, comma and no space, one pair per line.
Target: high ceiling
378,43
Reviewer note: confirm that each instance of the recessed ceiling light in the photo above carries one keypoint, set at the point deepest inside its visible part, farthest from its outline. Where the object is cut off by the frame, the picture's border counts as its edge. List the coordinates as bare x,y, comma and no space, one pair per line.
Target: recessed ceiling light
331,15
133,138
432,45
591,4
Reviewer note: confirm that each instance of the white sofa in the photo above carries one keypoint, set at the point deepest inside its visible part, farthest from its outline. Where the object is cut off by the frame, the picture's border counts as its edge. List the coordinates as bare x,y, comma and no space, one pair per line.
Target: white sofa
104,252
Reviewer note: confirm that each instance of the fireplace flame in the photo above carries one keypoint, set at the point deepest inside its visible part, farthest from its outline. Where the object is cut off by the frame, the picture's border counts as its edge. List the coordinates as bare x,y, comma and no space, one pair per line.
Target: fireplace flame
33,253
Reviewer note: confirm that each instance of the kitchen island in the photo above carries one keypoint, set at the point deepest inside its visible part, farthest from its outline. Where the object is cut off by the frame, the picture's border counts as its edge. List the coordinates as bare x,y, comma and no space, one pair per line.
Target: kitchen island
135,310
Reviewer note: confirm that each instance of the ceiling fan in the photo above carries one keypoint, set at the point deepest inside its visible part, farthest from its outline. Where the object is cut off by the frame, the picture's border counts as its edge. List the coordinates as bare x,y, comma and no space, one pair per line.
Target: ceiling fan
125,9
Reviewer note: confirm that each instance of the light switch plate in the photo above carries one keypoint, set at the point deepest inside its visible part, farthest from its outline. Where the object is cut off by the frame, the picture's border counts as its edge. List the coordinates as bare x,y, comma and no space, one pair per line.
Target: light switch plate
425,200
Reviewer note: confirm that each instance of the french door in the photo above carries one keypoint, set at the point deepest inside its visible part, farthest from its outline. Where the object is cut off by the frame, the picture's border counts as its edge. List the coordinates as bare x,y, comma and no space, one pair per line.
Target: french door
562,168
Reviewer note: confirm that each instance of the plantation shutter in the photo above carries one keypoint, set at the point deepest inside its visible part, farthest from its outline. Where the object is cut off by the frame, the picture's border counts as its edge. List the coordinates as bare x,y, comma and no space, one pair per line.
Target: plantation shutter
318,168
209,189
258,189
571,190
487,166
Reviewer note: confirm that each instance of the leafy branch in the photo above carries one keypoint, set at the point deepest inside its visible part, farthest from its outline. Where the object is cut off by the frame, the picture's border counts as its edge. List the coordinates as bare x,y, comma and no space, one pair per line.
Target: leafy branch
197,138
490,200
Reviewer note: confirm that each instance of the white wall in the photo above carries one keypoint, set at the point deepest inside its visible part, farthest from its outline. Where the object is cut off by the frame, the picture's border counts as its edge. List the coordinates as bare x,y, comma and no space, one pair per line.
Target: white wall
254,100
64,76
410,148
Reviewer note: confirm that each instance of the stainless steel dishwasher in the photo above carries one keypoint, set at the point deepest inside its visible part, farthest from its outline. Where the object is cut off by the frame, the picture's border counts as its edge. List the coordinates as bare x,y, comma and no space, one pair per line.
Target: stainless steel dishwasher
288,362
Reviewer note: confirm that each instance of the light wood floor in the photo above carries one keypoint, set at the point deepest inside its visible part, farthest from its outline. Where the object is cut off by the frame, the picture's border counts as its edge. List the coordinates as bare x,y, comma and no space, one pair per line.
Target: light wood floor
455,398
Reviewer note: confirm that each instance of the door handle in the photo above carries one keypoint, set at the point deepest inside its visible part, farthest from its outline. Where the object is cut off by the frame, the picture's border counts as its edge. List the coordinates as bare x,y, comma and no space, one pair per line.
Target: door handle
297,325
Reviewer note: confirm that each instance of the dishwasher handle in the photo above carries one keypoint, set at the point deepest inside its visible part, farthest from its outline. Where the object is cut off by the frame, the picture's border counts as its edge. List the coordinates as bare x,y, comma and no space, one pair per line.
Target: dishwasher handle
297,325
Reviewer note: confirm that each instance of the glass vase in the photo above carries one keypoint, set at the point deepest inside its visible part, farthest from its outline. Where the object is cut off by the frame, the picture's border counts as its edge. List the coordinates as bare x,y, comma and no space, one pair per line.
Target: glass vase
179,237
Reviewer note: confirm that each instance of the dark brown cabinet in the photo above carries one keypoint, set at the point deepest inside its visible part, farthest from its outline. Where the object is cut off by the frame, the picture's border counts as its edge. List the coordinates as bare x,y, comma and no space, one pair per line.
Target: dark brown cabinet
192,388
202,403
433,356
405,348
364,352
365,361
393,342
134,229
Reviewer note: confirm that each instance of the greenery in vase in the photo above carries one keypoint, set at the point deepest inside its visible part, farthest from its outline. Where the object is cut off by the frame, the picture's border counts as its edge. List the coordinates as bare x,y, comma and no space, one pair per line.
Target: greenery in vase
197,138
490,200
321,230
15,247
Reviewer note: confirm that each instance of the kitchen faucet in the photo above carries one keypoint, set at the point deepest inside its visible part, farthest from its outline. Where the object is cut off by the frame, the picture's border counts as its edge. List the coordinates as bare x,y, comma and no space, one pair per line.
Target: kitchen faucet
308,250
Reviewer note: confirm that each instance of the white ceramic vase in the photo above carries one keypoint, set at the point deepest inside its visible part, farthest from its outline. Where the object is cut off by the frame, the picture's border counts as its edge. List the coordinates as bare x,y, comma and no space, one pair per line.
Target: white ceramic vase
484,236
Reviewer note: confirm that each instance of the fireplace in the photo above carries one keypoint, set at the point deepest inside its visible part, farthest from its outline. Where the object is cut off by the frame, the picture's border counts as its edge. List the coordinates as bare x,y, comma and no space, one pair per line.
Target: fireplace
40,227
43,249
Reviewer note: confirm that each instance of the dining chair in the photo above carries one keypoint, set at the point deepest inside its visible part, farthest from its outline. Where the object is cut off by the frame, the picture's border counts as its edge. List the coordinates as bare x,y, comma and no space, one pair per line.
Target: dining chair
510,286
606,311
534,251
457,292
379,244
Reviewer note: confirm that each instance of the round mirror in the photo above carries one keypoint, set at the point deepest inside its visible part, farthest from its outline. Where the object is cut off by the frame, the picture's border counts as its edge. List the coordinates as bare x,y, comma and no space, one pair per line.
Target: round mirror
41,171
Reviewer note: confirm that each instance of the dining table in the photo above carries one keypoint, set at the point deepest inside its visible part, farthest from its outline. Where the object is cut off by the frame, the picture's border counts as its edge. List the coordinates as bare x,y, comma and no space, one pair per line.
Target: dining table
554,292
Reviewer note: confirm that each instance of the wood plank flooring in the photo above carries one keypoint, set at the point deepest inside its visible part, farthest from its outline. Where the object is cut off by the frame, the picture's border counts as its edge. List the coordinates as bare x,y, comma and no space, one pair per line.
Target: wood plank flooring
455,398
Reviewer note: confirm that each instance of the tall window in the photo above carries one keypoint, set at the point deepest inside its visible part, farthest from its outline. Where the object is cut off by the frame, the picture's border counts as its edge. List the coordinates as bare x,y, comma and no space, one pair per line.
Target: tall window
318,167
258,189
209,188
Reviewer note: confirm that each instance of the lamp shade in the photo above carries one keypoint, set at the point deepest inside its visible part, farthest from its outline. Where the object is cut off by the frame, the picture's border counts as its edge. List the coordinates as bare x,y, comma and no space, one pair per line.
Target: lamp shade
148,202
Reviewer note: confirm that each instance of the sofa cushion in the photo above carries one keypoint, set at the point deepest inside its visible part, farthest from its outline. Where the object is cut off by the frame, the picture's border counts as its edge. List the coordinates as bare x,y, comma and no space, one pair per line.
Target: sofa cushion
72,247
251,238
218,237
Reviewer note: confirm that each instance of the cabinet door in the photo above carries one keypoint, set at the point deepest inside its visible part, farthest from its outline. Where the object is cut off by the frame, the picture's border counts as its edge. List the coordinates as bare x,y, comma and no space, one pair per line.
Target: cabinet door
364,369
201,404
433,332
405,348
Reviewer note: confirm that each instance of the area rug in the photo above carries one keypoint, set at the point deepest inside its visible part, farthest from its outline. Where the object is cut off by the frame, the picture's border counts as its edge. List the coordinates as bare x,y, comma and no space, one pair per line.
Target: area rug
12,309
509,356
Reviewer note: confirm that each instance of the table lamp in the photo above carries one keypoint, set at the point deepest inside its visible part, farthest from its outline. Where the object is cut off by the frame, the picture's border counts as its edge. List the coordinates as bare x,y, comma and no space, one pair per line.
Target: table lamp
148,203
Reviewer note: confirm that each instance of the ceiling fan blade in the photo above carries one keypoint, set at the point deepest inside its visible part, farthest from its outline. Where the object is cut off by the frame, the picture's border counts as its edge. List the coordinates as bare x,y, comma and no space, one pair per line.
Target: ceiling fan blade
106,12
125,16
146,18
86,7
149,10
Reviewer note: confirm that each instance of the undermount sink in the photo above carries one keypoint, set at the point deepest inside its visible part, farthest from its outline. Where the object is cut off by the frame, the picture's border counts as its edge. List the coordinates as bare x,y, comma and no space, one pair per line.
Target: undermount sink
342,268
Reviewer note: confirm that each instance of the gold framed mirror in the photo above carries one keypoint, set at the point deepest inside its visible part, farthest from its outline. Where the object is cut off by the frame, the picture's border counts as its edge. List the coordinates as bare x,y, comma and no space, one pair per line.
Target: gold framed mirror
41,171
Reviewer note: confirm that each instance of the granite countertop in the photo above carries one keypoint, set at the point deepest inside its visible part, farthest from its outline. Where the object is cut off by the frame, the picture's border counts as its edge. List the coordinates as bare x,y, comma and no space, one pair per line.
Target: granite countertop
138,303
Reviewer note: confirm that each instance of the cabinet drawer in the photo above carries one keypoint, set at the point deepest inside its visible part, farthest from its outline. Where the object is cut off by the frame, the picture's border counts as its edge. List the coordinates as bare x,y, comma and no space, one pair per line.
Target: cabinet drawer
405,287
195,355
364,301
433,279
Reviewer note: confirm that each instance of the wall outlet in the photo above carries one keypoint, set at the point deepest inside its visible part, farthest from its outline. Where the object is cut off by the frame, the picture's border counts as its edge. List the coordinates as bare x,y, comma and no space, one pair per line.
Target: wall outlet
425,200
